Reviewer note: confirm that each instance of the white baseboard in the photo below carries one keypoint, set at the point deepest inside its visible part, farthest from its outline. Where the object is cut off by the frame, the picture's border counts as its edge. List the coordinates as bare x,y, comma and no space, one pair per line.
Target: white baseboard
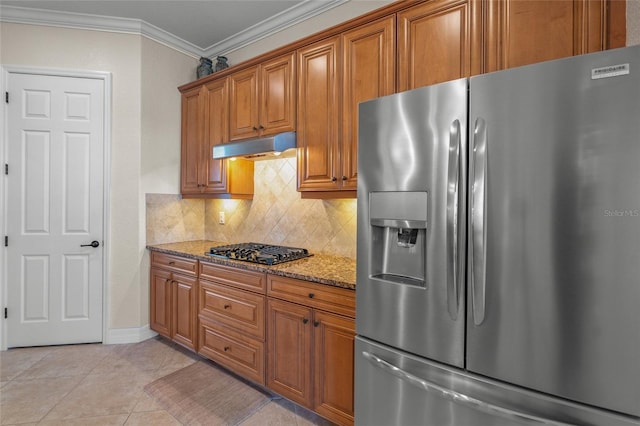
116,336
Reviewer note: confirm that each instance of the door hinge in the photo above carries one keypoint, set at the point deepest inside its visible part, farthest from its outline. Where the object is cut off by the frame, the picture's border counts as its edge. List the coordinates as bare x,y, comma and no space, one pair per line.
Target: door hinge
6,241
6,97
5,313
6,169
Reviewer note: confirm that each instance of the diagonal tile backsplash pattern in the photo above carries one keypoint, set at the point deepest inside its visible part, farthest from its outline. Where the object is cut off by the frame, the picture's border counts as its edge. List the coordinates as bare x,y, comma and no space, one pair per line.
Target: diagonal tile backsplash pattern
276,215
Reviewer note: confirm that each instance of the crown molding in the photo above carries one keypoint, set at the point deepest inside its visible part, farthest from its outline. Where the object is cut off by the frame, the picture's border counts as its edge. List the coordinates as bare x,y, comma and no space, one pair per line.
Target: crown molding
285,19
84,21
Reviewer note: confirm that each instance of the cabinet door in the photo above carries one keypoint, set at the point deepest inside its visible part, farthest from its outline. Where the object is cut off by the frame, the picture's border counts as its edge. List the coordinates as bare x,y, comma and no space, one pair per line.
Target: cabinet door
243,104
191,145
318,115
161,297
434,42
289,351
334,338
368,64
216,131
184,310
277,95
521,32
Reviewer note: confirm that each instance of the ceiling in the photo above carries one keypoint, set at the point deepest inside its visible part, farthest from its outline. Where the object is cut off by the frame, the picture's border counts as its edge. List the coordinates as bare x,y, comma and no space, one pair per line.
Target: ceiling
200,27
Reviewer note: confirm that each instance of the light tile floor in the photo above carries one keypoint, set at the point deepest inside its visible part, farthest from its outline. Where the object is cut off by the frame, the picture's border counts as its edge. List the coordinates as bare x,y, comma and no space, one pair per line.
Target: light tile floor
103,385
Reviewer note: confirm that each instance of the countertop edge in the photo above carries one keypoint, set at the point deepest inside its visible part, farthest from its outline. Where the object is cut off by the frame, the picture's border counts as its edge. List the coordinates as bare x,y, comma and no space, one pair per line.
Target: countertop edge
279,269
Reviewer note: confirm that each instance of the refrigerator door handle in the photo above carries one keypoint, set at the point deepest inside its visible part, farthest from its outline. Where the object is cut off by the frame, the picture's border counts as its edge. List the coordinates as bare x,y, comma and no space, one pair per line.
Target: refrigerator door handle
457,397
453,207
478,221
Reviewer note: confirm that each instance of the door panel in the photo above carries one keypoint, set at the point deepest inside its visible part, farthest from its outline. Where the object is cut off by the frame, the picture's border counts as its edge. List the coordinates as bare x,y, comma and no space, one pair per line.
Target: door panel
412,172
562,230
54,205
289,339
398,388
368,63
318,115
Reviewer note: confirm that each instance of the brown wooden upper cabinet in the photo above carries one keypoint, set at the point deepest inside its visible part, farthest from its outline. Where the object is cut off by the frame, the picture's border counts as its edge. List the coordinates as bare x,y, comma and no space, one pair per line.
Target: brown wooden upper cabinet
521,32
435,42
318,115
316,86
441,40
262,99
205,123
368,72
335,75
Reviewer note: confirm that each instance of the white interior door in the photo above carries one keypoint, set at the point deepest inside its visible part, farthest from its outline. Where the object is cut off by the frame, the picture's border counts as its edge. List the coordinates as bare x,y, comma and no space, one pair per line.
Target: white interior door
54,206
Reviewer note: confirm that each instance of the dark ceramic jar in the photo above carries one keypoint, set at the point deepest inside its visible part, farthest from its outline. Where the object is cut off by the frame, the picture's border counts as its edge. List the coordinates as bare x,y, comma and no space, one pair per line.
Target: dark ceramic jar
221,63
205,67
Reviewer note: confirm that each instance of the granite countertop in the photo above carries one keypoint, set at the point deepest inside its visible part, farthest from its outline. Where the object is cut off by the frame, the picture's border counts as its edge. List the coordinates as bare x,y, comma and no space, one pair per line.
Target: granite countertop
320,268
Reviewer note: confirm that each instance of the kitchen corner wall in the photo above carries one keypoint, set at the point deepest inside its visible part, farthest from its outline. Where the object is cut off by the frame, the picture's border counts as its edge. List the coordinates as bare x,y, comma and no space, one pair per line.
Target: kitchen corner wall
276,215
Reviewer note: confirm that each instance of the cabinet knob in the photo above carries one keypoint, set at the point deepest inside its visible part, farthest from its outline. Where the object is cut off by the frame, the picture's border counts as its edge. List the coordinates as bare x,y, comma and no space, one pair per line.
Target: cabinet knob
311,295
316,323
227,306
227,348
344,177
168,281
305,320
261,127
254,128
172,263
333,179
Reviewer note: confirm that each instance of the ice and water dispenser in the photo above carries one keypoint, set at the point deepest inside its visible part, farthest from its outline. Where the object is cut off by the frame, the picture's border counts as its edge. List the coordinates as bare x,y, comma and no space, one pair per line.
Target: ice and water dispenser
398,237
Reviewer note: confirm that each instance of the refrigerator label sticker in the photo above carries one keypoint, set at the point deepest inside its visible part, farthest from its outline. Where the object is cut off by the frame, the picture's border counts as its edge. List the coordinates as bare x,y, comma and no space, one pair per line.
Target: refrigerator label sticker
610,71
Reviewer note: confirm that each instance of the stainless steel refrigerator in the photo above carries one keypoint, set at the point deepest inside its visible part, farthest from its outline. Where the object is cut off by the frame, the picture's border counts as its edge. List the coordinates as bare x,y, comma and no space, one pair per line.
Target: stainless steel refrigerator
498,257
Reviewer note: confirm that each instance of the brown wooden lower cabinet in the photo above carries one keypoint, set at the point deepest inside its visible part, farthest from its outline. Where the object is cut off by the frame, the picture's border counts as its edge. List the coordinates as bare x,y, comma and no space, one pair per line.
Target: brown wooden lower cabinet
292,336
310,350
173,298
289,341
231,329
333,366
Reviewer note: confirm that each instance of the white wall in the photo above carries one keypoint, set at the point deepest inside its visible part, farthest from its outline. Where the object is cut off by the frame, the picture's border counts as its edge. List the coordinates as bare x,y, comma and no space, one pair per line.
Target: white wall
163,70
337,15
633,22
145,124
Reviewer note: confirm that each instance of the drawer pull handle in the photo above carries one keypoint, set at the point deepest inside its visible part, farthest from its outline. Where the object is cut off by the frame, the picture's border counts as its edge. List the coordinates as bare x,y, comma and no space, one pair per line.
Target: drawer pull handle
172,262
304,320
227,306
311,295
227,348
316,323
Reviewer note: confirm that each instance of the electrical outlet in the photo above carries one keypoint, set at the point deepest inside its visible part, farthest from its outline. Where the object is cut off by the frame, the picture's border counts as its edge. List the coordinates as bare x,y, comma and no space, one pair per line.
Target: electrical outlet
221,218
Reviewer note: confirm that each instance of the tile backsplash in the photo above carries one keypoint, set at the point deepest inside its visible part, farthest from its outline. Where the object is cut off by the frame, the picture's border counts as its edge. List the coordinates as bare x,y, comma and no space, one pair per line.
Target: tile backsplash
276,215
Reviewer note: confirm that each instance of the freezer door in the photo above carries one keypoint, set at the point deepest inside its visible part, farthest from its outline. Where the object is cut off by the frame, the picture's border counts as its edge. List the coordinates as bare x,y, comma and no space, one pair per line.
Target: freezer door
396,388
411,237
554,238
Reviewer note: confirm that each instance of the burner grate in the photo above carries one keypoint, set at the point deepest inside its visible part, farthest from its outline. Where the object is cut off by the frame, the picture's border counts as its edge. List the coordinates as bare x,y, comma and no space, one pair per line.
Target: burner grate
259,253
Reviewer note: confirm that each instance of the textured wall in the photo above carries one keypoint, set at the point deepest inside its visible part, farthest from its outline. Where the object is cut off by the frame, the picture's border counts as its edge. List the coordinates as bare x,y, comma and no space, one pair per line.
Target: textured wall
276,215
633,22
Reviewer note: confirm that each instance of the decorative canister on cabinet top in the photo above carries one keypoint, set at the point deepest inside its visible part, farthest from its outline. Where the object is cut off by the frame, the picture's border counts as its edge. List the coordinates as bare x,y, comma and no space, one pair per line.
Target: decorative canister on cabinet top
205,67
221,63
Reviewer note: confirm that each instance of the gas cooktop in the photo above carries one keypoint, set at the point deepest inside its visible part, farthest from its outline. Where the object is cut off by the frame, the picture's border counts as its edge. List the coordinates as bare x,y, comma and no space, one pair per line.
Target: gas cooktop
259,253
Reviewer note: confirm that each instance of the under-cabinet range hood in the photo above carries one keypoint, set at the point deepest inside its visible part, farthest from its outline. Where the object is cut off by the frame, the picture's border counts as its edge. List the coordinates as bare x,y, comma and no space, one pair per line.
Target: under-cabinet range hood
257,149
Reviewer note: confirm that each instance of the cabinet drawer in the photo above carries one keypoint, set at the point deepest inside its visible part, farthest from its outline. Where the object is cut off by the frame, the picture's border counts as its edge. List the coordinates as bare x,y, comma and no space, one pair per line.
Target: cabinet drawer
235,277
174,263
320,296
241,354
235,308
